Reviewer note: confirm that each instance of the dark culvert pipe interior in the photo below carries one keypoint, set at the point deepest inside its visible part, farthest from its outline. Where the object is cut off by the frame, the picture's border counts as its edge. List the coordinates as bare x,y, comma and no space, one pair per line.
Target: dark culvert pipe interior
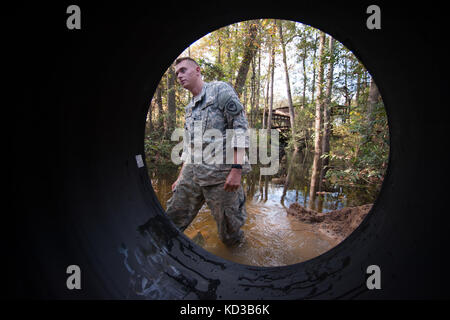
81,198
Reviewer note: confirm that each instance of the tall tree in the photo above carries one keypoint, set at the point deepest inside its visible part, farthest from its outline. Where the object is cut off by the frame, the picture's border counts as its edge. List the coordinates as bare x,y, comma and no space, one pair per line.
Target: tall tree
326,114
149,120
288,85
303,47
347,84
305,77
269,117
313,90
266,100
244,100
252,92
258,85
249,52
171,106
219,51
315,172
358,87
374,96
159,103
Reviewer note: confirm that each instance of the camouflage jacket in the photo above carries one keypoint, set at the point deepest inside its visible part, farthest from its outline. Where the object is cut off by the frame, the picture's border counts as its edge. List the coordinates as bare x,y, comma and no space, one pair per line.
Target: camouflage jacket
208,117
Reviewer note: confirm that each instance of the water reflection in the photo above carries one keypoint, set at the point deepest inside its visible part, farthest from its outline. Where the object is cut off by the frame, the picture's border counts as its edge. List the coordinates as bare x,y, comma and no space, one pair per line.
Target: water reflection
272,237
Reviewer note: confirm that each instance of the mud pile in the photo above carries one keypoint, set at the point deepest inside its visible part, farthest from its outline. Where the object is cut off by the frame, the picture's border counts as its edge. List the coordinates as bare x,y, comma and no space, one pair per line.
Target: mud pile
337,224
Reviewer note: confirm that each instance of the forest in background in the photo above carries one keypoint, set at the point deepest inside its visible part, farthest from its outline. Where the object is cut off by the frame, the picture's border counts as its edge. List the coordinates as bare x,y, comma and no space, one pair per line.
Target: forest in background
336,111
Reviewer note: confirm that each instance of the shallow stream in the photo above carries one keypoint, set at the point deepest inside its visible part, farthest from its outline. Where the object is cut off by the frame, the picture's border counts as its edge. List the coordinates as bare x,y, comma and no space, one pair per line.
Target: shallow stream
272,237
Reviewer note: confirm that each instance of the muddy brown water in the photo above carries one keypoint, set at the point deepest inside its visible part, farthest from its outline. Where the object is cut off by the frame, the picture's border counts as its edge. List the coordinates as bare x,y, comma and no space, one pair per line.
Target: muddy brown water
272,237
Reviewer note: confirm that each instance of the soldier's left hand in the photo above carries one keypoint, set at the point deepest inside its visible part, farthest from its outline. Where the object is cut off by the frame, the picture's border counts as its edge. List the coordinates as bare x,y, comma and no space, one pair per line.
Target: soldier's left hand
233,180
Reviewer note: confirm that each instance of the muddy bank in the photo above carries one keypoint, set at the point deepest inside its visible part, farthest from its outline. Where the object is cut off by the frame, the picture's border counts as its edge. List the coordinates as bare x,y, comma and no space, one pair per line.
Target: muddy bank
337,224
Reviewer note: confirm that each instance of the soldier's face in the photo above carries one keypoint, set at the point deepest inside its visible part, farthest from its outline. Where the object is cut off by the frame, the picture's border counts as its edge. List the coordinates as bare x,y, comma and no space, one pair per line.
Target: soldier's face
187,74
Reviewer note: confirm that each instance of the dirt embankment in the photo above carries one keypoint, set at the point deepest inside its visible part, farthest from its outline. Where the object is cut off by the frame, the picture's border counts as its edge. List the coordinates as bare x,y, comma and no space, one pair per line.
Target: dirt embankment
337,224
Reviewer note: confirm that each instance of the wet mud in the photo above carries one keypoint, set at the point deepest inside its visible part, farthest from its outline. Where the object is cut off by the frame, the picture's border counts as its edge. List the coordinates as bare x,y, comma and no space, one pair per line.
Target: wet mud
336,224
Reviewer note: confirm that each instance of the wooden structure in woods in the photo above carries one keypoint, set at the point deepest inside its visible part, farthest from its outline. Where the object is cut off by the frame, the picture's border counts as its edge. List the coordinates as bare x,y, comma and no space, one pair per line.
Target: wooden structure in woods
281,122
280,119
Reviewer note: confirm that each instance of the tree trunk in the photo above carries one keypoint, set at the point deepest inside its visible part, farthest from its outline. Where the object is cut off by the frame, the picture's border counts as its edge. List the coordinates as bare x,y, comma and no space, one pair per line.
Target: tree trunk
244,104
249,52
149,122
258,85
252,92
374,96
288,86
172,115
314,70
160,107
266,101
344,120
358,88
229,59
315,172
269,117
305,79
326,116
219,53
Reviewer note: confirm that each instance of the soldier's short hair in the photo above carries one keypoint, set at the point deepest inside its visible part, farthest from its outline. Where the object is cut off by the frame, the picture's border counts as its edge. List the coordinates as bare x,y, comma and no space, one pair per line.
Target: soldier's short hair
186,58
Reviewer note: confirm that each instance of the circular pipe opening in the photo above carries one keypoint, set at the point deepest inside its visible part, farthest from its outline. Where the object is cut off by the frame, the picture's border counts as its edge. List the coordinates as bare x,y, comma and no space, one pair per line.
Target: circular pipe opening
191,272
87,209
296,237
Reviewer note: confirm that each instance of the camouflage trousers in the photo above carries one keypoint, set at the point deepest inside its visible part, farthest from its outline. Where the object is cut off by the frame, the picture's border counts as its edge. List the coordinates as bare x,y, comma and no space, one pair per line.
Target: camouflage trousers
227,208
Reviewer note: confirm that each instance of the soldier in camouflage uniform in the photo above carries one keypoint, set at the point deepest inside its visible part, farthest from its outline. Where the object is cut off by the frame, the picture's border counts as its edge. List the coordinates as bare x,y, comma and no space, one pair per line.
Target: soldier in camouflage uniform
214,180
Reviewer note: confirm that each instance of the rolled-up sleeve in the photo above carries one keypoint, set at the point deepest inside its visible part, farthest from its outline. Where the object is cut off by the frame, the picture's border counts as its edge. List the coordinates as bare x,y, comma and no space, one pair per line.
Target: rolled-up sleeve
241,137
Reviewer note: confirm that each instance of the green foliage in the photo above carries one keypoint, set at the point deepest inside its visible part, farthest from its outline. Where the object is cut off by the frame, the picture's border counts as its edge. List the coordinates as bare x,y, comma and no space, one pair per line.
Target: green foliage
359,145
303,123
158,150
212,71
359,149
